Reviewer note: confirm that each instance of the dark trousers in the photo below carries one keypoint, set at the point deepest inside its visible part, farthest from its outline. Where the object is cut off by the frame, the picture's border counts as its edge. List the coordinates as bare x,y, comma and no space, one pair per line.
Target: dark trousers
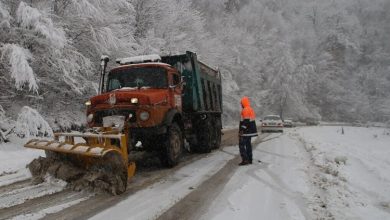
245,148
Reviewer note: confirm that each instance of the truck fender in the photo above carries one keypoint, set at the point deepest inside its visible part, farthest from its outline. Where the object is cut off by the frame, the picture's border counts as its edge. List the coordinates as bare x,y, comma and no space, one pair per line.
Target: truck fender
170,115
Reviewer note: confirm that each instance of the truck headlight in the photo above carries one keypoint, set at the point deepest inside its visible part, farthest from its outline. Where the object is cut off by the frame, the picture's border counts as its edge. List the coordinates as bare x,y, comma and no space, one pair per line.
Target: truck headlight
144,115
88,103
89,118
134,100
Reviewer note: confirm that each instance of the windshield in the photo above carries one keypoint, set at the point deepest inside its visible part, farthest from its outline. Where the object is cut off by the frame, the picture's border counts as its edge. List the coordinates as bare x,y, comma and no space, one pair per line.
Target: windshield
133,78
272,118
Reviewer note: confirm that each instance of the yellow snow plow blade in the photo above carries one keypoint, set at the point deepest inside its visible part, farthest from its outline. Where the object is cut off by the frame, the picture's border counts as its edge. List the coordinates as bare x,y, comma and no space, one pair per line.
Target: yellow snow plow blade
95,146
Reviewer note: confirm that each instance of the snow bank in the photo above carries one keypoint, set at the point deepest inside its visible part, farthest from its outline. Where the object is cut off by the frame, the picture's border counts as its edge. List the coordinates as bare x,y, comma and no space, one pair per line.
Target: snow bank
13,160
353,170
30,122
14,157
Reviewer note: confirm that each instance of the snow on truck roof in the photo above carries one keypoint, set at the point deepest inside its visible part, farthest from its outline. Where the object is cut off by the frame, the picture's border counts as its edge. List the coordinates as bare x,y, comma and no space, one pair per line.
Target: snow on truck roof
139,59
141,64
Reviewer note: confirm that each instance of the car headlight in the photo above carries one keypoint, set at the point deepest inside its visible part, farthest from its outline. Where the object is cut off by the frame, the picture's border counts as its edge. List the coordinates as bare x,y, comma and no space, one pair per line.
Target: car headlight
134,100
89,118
88,103
144,115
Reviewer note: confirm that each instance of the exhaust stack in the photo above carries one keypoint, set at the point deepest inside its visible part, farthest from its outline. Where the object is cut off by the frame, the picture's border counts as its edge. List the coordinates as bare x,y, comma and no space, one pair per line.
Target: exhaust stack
103,65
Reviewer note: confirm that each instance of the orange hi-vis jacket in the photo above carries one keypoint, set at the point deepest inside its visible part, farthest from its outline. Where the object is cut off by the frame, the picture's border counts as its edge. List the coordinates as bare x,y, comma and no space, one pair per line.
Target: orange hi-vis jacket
247,124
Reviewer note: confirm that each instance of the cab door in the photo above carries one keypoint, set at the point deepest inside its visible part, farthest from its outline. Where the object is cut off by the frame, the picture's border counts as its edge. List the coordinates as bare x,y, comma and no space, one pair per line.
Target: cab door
175,90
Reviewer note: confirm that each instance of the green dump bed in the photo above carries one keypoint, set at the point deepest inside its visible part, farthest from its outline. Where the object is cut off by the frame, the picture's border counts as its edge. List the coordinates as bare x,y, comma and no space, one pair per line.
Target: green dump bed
203,91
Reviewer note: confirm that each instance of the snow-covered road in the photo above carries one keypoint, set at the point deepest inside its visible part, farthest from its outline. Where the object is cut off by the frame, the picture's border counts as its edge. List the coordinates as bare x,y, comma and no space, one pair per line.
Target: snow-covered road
272,189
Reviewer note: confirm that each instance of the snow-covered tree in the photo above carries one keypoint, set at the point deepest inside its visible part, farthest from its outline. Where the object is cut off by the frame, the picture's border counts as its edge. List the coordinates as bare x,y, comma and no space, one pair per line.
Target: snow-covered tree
21,71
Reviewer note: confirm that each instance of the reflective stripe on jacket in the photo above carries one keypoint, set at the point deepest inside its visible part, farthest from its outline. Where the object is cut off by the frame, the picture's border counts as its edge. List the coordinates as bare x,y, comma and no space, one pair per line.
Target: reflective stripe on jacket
248,116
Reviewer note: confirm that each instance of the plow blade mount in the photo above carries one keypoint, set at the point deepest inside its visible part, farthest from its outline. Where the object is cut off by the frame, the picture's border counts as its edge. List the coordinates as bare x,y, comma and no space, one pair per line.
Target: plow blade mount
95,148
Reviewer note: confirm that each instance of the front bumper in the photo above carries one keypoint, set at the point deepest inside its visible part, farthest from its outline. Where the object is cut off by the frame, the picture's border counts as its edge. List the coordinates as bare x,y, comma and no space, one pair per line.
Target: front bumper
148,131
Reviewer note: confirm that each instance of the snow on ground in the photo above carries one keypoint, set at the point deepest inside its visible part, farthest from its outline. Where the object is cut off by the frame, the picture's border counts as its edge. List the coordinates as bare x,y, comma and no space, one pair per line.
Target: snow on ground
13,160
305,173
153,201
272,189
354,169
19,196
53,209
312,173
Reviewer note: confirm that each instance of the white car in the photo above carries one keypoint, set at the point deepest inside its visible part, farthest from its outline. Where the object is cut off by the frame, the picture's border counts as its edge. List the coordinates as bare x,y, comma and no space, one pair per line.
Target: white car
272,123
288,123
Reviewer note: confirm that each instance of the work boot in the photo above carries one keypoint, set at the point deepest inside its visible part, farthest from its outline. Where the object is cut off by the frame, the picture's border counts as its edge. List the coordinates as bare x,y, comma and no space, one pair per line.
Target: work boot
243,163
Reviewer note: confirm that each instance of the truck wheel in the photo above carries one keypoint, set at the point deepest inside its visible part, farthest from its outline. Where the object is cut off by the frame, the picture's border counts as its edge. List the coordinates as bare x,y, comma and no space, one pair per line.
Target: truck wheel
217,126
205,137
173,146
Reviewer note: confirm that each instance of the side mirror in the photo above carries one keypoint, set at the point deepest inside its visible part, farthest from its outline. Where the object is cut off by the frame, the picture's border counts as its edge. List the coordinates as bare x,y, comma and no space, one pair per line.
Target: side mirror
183,82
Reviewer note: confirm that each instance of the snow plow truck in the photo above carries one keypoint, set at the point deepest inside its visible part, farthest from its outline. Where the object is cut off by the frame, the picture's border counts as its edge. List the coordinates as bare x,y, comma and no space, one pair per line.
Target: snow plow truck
160,101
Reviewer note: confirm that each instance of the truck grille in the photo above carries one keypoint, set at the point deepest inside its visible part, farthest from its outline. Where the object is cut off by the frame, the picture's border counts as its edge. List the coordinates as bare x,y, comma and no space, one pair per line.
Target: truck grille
99,115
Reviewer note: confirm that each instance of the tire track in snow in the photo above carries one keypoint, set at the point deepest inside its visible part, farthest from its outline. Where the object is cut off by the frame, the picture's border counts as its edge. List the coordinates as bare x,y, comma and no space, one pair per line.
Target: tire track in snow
196,203
100,202
13,177
141,180
276,183
39,207
19,196
52,209
14,186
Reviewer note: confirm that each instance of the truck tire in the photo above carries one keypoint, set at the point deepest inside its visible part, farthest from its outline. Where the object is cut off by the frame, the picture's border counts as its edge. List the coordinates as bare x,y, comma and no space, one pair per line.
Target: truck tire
205,137
217,133
173,146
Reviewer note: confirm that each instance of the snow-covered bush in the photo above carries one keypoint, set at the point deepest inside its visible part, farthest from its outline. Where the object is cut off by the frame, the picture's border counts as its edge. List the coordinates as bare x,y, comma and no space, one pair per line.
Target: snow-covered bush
31,123
21,70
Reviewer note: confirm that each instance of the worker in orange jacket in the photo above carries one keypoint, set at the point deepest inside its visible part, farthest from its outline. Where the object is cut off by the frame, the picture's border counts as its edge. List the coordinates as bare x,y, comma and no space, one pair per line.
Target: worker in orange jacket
247,130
